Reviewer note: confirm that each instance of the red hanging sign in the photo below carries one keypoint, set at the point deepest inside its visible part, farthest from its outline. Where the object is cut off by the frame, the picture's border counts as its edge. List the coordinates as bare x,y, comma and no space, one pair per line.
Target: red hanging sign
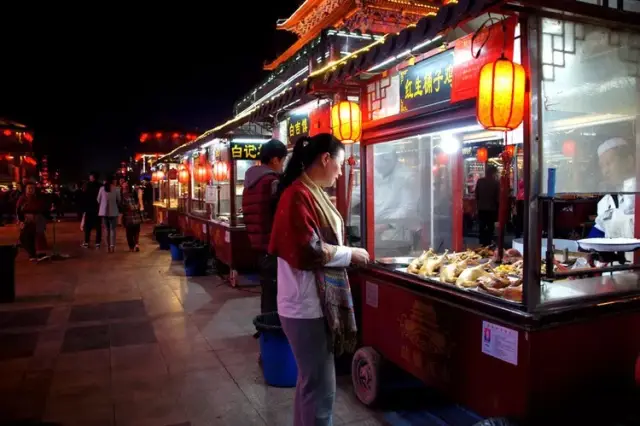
320,120
489,42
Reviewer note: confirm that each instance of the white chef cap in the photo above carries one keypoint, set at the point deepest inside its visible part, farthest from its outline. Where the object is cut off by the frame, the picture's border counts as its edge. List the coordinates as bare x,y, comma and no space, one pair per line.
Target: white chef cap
611,144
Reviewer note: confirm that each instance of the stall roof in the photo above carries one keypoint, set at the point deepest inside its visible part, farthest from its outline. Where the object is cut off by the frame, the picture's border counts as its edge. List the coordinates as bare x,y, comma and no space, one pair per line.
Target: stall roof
13,125
412,39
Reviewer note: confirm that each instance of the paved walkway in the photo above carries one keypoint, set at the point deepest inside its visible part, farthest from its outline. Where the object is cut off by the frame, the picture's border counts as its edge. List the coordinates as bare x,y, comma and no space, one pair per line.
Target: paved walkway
126,339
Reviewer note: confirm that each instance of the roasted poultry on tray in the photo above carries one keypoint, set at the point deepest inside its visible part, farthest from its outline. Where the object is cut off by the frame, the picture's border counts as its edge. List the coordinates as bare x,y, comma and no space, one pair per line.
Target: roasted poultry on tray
474,269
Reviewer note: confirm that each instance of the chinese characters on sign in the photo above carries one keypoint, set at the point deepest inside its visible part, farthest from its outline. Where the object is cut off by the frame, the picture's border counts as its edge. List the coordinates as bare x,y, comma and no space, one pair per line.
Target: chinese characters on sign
427,83
245,151
298,126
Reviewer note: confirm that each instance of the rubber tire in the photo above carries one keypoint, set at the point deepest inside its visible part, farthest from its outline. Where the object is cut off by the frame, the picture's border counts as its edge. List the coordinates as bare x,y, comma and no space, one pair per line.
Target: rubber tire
369,359
495,421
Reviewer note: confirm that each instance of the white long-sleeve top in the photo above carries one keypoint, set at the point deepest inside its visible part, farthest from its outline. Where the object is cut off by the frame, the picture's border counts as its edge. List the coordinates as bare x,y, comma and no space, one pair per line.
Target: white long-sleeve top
297,292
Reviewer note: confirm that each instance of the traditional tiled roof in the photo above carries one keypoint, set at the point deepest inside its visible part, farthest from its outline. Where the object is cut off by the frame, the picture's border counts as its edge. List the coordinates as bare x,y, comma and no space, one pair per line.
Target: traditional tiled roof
407,41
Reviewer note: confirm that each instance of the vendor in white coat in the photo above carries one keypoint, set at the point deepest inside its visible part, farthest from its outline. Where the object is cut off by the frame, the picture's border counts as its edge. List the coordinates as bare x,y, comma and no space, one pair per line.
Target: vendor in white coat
616,213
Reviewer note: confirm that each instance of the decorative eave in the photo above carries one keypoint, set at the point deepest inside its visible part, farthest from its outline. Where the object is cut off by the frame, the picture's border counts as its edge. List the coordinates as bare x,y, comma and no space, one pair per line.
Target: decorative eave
315,15
333,11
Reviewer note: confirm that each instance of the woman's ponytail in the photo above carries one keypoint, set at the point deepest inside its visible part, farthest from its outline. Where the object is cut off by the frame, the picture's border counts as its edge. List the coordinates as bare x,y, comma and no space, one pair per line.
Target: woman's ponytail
296,164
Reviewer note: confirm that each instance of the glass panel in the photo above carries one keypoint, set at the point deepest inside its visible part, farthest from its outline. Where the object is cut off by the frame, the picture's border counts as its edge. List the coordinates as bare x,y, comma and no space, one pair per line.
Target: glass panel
590,97
353,180
241,169
590,106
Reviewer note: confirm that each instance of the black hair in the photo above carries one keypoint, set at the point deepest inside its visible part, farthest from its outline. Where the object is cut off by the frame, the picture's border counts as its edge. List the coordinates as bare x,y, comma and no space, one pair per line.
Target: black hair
107,184
305,152
491,170
272,149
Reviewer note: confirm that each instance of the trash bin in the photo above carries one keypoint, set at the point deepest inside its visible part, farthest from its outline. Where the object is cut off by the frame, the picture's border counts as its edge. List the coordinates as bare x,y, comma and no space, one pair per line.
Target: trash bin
196,258
174,245
162,237
159,227
278,364
7,273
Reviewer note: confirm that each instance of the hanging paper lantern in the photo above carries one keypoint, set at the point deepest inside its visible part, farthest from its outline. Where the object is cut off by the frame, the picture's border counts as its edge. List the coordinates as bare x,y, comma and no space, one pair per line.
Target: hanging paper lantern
501,95
442,159
175,135
202,173
569,148
158,135
183,176
482,155
346,121
173,174
220,171
144,137
7,132
28,137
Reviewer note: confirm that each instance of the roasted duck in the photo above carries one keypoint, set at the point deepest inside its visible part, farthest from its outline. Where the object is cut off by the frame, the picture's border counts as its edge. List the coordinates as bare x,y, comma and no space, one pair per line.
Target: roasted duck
432,265
417,263
449,273
469,277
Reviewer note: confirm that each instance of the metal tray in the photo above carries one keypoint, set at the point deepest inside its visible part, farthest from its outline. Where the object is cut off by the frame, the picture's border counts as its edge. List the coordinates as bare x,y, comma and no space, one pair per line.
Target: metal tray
610,244
399,261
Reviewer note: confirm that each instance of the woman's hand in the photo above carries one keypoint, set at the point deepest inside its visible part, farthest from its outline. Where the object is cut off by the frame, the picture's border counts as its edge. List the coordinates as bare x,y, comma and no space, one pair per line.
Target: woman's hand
359,256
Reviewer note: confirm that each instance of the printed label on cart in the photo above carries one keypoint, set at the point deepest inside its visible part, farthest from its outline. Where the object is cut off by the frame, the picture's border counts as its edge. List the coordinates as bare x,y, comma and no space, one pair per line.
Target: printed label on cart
500,342
227,237
372,295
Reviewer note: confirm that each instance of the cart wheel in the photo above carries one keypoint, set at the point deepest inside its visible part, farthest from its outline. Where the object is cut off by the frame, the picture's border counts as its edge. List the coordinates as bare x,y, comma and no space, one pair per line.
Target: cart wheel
495,421
365,375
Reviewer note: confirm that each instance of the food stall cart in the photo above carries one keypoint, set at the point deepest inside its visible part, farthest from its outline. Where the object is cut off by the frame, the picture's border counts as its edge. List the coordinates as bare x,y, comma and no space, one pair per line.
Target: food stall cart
167,192
542,336
209,186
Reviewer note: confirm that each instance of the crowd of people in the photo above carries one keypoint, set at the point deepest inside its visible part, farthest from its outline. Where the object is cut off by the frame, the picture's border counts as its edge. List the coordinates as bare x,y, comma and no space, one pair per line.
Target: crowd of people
98,204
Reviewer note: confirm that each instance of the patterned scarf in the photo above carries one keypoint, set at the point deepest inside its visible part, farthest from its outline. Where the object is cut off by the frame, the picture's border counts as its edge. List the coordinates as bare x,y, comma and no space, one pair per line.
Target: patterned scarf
332,284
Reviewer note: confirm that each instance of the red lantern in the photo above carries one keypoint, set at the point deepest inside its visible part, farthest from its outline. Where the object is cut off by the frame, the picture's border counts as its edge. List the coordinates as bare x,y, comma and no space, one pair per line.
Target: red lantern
144,137
220,171
28,137
510,149
7,132
501,93
346,121
442,159
183,176
202,173
482,155
158,135
569,148
173,174
175,135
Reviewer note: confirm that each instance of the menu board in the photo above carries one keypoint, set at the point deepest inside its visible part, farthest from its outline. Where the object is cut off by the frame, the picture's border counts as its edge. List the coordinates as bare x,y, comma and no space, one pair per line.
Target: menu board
427,83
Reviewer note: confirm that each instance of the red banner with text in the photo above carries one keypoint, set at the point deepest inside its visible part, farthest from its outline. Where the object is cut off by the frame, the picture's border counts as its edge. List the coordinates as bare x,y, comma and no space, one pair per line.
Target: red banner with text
475,50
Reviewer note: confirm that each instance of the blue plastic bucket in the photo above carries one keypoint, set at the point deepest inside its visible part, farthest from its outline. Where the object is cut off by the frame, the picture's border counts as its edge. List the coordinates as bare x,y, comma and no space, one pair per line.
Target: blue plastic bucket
195,270
278,364
176,252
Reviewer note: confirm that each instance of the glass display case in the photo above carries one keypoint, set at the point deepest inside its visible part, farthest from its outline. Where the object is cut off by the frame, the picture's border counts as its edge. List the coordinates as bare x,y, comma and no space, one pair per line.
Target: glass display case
580,175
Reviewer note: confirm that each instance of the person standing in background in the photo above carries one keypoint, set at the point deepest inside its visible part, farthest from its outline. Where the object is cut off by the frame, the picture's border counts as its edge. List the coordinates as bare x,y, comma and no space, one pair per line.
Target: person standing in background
131,217
90,208
109,199
487,201
258,206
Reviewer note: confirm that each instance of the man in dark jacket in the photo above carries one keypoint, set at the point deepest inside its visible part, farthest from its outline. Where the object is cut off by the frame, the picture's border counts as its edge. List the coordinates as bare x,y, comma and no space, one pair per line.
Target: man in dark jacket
90,211
260,190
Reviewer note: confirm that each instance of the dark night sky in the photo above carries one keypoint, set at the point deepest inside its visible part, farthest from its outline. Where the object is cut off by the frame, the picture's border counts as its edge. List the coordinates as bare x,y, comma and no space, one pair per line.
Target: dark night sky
89,80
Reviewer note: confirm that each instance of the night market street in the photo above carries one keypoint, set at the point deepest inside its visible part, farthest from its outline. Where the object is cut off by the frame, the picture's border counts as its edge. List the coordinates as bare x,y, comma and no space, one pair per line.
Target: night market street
126,339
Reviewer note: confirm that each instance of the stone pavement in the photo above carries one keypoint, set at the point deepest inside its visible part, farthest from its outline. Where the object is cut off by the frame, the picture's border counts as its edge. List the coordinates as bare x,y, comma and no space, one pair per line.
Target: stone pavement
126,339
